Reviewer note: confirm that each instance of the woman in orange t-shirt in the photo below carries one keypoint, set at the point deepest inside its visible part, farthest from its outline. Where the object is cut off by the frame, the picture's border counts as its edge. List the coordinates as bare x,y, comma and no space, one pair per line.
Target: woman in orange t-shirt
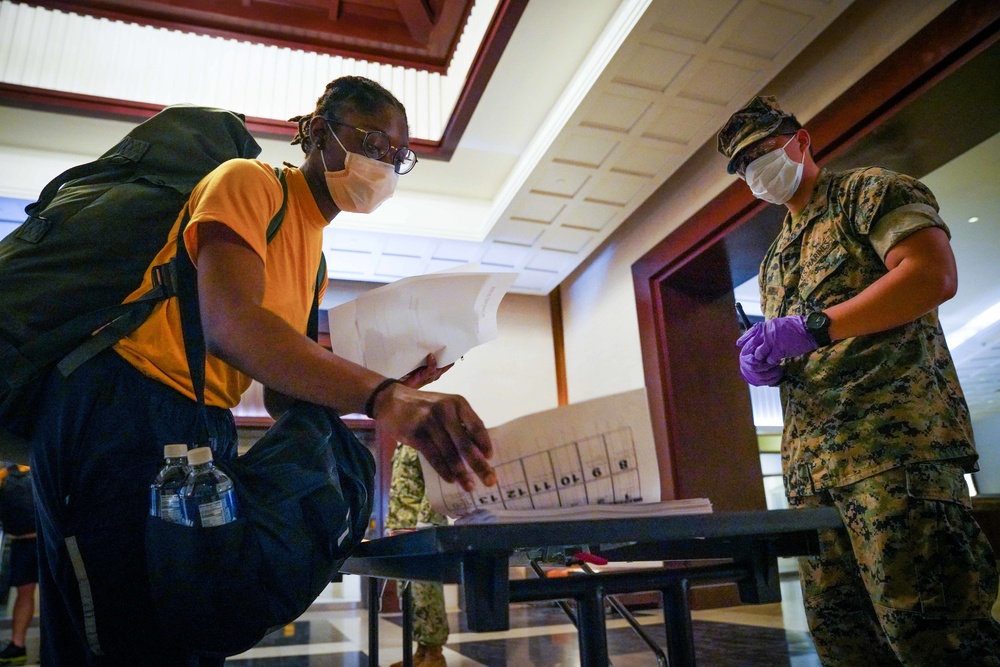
101,431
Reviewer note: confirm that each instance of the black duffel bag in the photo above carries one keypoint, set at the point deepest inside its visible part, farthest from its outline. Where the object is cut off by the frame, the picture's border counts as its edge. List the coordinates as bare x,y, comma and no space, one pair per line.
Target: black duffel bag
304,495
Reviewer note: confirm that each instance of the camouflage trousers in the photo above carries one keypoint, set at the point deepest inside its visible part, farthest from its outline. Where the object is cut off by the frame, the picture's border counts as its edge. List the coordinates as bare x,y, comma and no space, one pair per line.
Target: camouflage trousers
408,506
913,579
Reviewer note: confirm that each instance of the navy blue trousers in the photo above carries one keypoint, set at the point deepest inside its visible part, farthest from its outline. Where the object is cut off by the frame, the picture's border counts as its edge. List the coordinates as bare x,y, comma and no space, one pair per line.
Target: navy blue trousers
96,446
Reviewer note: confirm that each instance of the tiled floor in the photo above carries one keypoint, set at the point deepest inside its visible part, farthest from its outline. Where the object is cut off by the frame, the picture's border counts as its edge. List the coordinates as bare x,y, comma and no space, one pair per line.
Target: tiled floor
541,636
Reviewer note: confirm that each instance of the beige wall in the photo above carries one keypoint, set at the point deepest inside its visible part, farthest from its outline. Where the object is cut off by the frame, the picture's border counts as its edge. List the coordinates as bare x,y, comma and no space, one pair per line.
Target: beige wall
601,326
513,375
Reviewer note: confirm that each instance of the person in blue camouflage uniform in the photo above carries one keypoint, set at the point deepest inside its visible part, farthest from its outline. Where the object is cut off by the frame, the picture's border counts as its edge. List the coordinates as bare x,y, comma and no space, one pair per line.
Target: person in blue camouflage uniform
408,508
876,424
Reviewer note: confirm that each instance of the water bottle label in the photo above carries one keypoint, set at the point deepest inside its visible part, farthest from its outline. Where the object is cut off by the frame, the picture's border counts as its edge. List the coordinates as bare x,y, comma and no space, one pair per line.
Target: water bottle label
170,508
218,512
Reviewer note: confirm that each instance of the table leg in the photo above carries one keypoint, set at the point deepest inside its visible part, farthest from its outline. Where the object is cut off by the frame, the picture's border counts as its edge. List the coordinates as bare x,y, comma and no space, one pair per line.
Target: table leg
407,624
764,583
677,621
486,592
591,628
373,609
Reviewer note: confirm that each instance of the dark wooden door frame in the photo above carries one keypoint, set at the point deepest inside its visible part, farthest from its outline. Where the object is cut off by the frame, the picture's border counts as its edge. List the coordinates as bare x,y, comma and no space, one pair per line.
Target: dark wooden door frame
705,243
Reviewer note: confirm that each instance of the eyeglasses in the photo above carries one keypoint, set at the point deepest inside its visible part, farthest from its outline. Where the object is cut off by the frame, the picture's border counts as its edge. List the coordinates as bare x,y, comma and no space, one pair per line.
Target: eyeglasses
376,145
748,156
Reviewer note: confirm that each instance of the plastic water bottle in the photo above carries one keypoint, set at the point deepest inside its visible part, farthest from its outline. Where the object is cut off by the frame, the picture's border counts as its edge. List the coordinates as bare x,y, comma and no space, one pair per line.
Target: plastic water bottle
209,497
164,492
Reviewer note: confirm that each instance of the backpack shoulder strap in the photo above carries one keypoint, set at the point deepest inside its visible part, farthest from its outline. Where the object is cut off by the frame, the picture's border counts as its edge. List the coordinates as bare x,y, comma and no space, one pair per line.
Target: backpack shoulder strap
312,328
279,217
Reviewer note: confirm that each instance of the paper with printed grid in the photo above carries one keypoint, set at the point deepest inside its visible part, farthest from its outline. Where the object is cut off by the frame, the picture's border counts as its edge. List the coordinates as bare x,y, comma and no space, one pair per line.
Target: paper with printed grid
594,453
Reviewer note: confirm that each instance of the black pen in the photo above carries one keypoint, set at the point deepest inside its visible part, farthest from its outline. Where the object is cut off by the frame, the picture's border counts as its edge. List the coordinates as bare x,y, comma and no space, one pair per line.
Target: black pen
744,320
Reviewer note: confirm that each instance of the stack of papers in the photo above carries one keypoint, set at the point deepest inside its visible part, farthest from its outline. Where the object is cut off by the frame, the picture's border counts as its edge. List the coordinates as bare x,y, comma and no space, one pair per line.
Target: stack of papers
579,512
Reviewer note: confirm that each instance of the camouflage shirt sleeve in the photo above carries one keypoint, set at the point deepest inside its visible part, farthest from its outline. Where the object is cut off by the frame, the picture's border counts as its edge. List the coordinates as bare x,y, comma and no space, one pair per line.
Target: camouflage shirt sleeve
888,207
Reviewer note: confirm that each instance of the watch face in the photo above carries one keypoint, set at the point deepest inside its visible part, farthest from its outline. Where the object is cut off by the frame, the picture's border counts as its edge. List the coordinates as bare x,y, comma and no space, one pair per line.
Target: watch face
817,320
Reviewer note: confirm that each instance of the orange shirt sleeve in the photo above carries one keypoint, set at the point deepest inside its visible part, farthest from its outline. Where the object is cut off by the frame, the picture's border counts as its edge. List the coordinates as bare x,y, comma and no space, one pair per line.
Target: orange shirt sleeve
244,195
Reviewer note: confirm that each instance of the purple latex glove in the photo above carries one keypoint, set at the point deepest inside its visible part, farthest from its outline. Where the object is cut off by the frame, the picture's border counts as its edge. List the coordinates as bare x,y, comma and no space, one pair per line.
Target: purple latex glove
759,373
777,339
766,343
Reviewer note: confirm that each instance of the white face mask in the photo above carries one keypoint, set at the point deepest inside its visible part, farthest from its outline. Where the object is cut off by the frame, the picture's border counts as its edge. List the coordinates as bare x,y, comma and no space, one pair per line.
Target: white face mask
774,177
362,185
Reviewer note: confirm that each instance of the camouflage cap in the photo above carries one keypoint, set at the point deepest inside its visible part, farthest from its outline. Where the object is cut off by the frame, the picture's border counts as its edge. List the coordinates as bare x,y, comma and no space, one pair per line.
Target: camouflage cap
757,120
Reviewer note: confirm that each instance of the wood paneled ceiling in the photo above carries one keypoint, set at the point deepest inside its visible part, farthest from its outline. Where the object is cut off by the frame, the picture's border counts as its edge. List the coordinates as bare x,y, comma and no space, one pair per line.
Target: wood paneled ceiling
413,34
419,34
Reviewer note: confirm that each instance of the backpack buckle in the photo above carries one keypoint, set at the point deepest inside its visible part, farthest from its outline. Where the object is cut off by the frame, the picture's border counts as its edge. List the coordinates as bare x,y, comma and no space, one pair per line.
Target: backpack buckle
163,280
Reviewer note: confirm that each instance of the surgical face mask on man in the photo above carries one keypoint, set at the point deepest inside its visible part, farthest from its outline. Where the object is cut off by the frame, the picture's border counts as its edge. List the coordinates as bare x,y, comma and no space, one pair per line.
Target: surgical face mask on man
774,176
362,185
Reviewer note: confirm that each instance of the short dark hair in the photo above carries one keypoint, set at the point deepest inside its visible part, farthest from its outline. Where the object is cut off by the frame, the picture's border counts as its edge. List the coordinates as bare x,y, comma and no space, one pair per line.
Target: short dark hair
354,93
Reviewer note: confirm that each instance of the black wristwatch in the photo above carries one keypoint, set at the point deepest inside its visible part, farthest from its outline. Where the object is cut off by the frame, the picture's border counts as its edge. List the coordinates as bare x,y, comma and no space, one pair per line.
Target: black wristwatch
818,326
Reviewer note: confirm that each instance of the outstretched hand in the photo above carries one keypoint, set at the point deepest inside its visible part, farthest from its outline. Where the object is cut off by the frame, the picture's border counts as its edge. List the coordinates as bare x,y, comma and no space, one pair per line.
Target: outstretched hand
442,427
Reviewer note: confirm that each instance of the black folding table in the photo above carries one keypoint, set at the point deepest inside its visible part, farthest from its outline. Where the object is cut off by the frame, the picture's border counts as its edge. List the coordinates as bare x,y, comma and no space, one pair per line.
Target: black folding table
739,547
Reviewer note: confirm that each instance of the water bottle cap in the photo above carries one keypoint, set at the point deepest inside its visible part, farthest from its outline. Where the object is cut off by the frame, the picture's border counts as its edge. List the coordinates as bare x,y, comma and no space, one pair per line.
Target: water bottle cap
174,451
199,455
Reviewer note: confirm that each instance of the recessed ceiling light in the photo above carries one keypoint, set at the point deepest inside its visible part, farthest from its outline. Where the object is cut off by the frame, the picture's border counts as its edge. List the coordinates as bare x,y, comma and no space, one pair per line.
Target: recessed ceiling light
974,218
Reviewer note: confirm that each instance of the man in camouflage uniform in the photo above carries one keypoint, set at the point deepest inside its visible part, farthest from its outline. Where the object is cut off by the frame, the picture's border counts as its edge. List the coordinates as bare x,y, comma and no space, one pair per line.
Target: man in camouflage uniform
875,420
408,507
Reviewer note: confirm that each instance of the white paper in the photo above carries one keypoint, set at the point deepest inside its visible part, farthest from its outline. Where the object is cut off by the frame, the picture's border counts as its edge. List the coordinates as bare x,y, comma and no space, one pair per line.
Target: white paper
600,511
591,453
393,328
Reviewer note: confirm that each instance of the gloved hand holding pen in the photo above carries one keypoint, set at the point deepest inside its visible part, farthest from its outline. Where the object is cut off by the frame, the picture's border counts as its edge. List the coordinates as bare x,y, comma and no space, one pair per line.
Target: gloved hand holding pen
767,343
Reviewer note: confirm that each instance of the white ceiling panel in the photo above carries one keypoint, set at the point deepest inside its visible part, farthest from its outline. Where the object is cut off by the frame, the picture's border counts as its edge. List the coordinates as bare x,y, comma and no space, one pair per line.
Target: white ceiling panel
618,113
550,260
356,265
692,19
394,267
717,82
588,215
506,255
456,251
352,241
585,148
644,159
616,188
524,233
561,180
537,207
768,30
678,125
400,246
650,67
530,281
566,240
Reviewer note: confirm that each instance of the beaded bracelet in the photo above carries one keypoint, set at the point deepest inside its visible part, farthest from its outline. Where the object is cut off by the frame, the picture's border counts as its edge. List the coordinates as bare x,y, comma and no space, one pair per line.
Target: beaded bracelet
370,403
